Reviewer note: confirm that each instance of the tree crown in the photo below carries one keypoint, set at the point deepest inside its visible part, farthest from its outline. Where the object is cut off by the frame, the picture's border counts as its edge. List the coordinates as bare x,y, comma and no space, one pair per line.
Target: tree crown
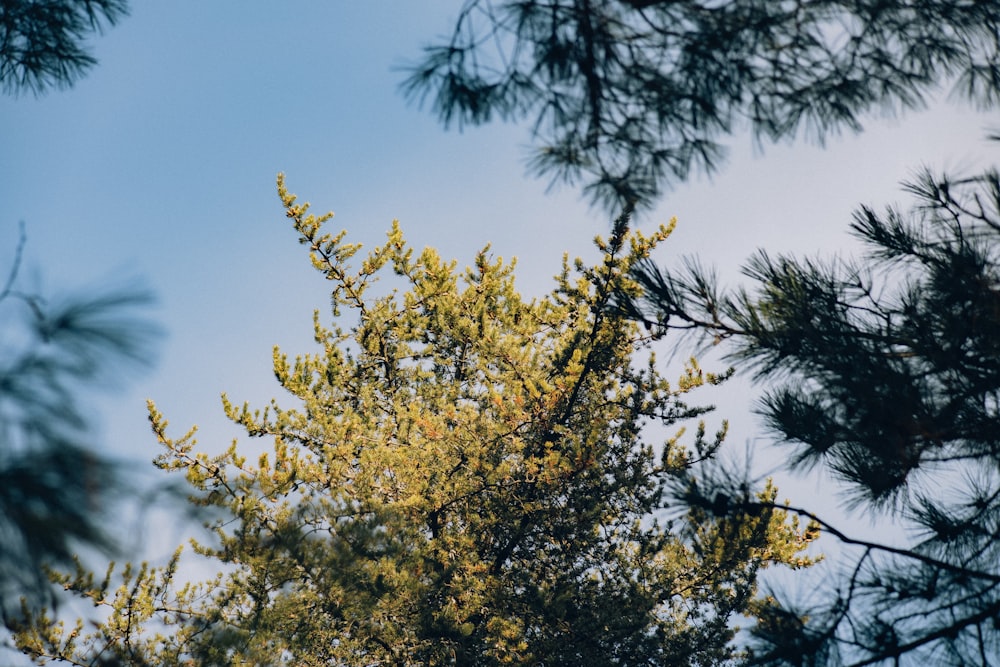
465,478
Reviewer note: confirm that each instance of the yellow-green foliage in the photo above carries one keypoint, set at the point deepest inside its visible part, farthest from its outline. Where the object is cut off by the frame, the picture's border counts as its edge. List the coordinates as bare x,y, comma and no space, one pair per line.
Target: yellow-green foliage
464,479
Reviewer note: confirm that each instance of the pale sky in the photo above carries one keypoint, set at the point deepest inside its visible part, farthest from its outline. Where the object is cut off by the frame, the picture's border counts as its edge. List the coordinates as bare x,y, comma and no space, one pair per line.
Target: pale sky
159,167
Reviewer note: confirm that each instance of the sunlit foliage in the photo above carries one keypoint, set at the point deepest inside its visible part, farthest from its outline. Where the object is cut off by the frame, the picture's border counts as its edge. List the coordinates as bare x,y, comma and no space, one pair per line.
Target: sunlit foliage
466,477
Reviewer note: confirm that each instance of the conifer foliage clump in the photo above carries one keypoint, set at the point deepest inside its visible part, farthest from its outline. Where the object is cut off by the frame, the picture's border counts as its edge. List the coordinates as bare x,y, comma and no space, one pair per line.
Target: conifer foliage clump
466,477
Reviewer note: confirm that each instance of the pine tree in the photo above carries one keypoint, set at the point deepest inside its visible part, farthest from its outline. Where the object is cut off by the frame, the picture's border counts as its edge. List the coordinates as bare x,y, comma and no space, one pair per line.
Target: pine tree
42,41
466,477
56,488
886,373
627,97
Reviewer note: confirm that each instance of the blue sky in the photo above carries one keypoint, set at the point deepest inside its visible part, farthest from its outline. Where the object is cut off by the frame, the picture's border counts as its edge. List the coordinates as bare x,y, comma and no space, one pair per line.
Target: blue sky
159,168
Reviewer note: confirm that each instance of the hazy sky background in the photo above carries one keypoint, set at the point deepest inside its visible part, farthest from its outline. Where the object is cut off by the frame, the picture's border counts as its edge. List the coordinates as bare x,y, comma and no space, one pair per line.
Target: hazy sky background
159,168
